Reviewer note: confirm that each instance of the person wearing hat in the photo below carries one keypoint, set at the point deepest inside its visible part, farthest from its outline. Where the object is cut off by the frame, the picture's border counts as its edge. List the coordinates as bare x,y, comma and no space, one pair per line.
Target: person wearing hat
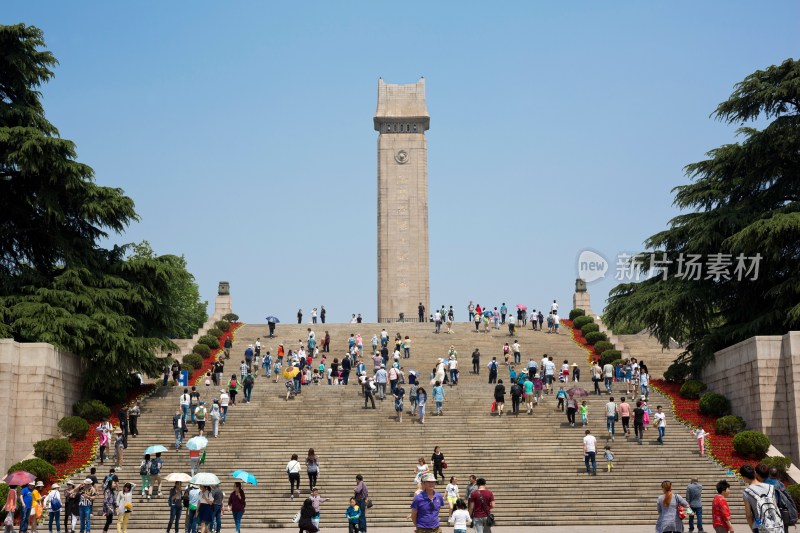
425,506
576,373
87,494
36,511
52,503
71,513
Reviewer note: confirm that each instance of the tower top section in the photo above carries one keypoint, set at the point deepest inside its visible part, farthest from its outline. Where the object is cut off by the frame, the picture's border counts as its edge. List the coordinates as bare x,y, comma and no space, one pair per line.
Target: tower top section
401,103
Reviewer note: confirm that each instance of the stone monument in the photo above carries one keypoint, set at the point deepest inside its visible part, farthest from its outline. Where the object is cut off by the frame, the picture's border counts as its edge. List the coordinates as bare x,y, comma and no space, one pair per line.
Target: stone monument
403,266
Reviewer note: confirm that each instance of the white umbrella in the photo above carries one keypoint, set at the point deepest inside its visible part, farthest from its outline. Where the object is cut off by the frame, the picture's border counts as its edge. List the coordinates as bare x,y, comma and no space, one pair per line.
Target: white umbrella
179,476
205,478
197,443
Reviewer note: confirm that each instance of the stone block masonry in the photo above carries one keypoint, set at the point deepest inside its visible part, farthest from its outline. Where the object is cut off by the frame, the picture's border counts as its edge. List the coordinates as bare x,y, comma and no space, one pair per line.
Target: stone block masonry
38,385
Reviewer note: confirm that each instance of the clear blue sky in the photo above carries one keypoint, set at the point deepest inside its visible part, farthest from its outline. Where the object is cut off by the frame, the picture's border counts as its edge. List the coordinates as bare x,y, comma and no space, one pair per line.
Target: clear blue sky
243,131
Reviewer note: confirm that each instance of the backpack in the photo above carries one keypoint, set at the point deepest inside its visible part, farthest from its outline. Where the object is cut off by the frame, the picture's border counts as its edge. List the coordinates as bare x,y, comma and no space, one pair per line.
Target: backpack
787,506
155,467
493,368
248,380
144,468
769,517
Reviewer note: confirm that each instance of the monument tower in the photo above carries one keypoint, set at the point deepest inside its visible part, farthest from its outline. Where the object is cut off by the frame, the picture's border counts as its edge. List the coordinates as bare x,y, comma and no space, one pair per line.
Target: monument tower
403,269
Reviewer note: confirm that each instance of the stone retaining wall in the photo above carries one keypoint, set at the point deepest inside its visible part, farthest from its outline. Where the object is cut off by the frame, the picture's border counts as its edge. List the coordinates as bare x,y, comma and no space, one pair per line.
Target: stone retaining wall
38,385
761,377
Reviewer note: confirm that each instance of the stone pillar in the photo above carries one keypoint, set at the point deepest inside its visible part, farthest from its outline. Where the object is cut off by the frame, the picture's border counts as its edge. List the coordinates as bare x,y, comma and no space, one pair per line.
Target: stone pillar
580,299
223,304
403,265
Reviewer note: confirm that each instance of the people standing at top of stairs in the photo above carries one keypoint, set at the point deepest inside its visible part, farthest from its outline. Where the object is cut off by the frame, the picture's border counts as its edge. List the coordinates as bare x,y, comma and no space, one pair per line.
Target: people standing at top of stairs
421,312
300,316
437,320
322,313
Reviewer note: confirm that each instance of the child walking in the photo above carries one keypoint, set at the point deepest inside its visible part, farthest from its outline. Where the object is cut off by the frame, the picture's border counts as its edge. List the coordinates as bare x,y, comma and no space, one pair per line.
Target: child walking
584,409
460,517
561,395
700,435
609,455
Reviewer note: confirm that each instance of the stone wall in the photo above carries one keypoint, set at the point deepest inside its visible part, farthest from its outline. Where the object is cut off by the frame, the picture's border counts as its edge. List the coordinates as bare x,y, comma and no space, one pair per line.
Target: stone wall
38,385
761,376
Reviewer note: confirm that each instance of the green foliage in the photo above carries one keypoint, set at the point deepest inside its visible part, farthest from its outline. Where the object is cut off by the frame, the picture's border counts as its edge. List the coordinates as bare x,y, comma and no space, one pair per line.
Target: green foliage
588,328
751,444
782,464
73,427
794,491
223,325
595,336
188,366
714,404
575,313
202,349
730,425
616,362
581,321
215,332
3,494
230,317
742,201
209,340
52,450
602,346
677,372
193,359
609,356
91,410
38,467
692,389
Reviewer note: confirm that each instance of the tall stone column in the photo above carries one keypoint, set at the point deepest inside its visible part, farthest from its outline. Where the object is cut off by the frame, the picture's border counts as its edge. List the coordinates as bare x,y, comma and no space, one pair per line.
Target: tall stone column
403,265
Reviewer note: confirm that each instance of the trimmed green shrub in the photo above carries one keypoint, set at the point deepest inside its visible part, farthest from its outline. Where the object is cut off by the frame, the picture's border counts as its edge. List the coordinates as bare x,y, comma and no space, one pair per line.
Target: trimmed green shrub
595,336
38,467
602,346
588,328
193,359
794,491
782,464
692,389
202,350
677,372
575,313
52,450
751,444
91,410
73,427
214,332
230,317
209,340
730,425
188,367
609,356
581,321
714,404
224,325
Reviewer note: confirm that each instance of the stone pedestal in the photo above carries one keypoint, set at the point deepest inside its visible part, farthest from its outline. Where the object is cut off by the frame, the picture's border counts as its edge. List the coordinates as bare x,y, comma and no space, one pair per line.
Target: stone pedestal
580,299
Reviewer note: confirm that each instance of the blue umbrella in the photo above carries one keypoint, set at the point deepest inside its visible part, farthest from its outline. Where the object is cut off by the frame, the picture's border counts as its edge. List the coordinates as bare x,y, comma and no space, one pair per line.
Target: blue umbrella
152,450
488,313
273,319
197,443
247,477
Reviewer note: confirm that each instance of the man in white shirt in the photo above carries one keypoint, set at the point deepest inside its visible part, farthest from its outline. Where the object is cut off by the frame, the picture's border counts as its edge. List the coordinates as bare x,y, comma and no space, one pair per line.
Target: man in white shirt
660,420
611,415
554,307
556,318
437,318
515,349
608,372
549,368
590,452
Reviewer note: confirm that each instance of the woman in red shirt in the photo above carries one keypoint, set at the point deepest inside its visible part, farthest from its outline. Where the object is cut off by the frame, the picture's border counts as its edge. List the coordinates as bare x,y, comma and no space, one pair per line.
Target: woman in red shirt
720,512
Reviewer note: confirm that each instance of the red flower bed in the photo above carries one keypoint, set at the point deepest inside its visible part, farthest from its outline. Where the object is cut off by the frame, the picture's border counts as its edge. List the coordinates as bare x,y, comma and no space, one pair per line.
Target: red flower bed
718,447
580,340
84,451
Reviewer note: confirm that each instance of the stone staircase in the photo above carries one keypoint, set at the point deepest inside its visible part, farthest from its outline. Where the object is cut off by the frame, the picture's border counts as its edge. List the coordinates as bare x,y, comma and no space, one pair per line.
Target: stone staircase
646,348
533,464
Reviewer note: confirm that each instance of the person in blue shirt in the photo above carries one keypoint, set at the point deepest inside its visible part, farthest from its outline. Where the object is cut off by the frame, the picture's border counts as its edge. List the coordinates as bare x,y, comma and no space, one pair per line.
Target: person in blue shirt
425,505
438,397
561,395
353,514
27,502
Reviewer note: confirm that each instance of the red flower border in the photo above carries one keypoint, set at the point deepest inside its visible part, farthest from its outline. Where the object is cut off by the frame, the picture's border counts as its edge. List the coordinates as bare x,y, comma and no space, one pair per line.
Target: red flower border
84,450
